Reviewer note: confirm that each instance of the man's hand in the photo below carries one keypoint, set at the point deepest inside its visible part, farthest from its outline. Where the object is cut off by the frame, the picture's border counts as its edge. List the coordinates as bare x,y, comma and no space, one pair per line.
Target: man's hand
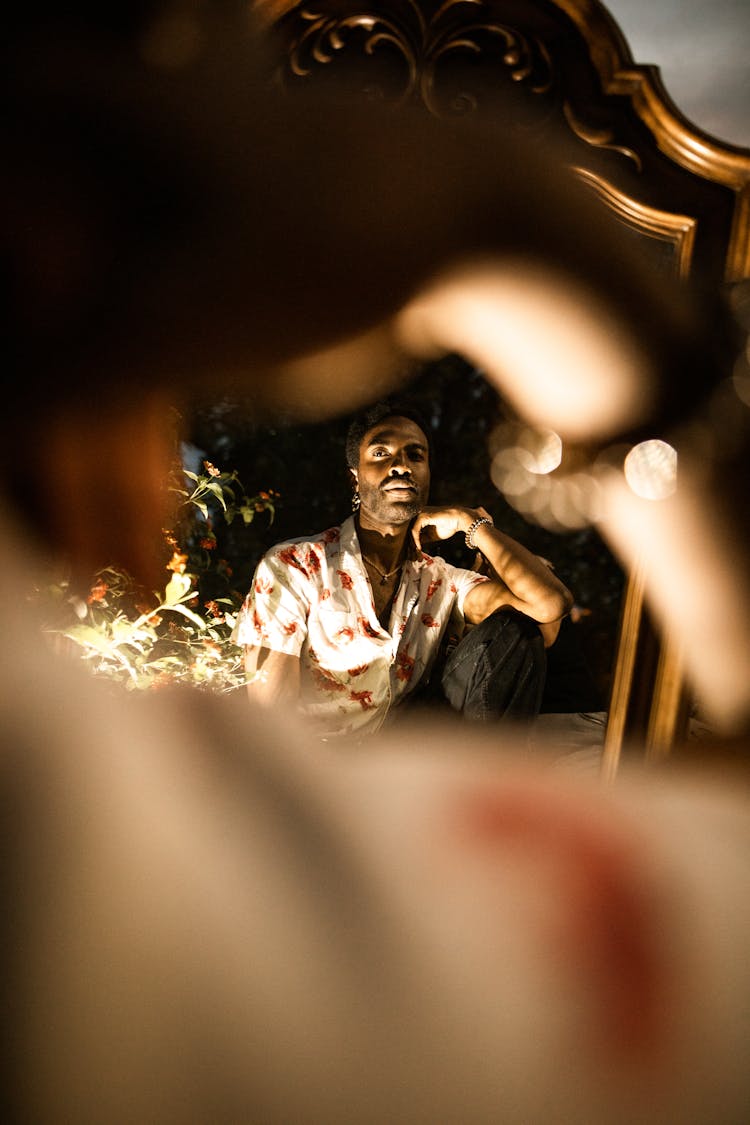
433,524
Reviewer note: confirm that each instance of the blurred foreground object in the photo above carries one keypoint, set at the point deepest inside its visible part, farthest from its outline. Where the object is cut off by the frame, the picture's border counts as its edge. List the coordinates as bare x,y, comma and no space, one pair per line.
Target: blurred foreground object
204,922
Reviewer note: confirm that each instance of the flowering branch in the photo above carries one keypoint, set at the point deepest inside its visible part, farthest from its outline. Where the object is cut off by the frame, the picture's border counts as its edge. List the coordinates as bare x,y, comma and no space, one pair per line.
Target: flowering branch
183,636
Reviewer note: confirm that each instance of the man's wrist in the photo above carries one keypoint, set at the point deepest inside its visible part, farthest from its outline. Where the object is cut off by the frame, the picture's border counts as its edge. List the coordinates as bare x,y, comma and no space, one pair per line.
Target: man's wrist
470,534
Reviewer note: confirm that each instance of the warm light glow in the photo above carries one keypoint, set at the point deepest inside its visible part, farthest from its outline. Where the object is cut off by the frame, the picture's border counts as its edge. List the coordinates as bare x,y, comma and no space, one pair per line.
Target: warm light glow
651,469
540,451
521,471
550,345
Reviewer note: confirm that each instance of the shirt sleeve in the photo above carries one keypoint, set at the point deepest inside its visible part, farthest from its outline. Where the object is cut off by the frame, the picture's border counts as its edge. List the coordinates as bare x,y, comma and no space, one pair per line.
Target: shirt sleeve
274,614
464,581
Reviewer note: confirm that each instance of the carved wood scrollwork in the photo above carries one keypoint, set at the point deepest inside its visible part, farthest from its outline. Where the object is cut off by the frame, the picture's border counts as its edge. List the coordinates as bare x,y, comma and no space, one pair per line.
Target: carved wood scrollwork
455,57
443,59
598,137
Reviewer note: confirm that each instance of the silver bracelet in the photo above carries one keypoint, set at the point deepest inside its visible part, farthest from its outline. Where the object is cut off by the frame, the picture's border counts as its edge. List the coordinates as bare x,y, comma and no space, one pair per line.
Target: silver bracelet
474,529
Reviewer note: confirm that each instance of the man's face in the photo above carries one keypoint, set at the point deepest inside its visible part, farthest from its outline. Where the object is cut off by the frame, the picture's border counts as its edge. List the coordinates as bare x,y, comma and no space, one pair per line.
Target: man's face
393,475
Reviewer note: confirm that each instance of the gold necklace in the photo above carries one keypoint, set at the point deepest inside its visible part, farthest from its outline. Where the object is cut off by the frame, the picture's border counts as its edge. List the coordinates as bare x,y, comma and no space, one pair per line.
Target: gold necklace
384,575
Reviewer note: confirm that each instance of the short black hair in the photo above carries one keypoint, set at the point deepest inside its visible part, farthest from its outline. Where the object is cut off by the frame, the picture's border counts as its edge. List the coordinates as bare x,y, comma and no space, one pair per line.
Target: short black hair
366,419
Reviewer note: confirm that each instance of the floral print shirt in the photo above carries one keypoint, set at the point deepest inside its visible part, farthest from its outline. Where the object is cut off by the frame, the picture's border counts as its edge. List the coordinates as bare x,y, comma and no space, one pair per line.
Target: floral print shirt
312,598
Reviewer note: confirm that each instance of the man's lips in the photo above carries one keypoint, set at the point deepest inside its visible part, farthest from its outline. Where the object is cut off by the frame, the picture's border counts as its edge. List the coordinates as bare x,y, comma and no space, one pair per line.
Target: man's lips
399,486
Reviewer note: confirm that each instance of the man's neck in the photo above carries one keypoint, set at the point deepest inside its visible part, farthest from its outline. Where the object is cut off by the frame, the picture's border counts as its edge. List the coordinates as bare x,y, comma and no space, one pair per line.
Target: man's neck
385,545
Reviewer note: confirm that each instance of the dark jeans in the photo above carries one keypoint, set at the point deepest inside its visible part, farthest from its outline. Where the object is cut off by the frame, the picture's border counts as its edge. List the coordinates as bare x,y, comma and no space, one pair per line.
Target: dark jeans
496,671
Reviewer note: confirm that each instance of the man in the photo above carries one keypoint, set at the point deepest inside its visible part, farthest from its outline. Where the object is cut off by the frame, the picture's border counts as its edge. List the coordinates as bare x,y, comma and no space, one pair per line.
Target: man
348,624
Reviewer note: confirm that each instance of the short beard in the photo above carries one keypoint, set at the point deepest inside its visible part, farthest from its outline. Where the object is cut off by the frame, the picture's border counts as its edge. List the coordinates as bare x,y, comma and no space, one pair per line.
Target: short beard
376,503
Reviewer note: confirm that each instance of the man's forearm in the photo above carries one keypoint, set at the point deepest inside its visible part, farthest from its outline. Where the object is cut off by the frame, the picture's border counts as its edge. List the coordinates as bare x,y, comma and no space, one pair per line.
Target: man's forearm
522,579
273,677
529,579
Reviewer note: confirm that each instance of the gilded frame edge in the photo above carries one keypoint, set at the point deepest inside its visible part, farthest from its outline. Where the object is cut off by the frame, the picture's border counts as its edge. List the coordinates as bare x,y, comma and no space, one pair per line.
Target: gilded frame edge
666,226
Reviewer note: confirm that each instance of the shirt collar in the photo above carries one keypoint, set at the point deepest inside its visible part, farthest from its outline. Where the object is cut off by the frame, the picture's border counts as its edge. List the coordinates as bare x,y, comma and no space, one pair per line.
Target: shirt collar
348,539
350,546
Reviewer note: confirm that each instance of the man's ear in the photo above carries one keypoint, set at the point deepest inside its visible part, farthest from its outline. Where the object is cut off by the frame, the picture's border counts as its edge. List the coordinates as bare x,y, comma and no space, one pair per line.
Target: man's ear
353,478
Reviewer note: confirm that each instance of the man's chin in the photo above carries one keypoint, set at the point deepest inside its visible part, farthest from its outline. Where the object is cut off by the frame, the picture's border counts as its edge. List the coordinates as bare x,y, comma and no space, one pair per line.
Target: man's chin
393,511
403,512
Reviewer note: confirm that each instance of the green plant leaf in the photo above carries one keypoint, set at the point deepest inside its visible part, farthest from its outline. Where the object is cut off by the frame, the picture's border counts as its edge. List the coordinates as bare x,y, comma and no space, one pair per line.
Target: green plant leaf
217,491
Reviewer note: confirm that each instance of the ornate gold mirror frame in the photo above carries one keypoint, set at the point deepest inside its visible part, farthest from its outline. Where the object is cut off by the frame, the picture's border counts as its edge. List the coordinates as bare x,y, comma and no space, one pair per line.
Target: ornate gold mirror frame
562,65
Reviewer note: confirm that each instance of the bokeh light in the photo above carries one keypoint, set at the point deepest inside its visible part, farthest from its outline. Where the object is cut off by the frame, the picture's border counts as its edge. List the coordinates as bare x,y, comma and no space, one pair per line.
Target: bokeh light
651,469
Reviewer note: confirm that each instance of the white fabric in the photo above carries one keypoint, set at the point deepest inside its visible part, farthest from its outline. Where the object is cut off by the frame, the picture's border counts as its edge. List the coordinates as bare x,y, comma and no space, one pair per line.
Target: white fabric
312,598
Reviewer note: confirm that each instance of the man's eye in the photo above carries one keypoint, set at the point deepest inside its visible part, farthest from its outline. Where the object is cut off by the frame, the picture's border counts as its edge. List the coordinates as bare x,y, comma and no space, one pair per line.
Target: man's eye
380,452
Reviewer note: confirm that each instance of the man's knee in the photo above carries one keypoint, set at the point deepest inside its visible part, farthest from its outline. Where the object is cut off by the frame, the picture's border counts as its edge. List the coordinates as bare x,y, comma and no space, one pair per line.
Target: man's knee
498,669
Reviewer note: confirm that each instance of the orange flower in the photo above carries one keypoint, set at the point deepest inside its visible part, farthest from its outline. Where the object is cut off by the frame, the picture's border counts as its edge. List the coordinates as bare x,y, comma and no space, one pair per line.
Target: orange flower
211,469
98,592
208,544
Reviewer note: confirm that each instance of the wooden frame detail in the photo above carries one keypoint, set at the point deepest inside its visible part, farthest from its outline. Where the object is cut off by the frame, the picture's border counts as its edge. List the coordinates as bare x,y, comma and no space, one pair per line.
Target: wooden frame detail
676,230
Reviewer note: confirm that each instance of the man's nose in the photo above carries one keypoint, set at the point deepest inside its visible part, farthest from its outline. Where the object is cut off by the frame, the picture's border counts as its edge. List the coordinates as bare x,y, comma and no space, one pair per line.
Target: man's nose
399,465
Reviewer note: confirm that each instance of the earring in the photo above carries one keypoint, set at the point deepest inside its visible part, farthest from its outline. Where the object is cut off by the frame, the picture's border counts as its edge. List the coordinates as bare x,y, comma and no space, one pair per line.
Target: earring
355,500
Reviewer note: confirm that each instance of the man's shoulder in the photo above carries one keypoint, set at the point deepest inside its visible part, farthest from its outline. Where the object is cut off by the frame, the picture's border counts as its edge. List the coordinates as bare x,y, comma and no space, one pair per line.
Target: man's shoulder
302,544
